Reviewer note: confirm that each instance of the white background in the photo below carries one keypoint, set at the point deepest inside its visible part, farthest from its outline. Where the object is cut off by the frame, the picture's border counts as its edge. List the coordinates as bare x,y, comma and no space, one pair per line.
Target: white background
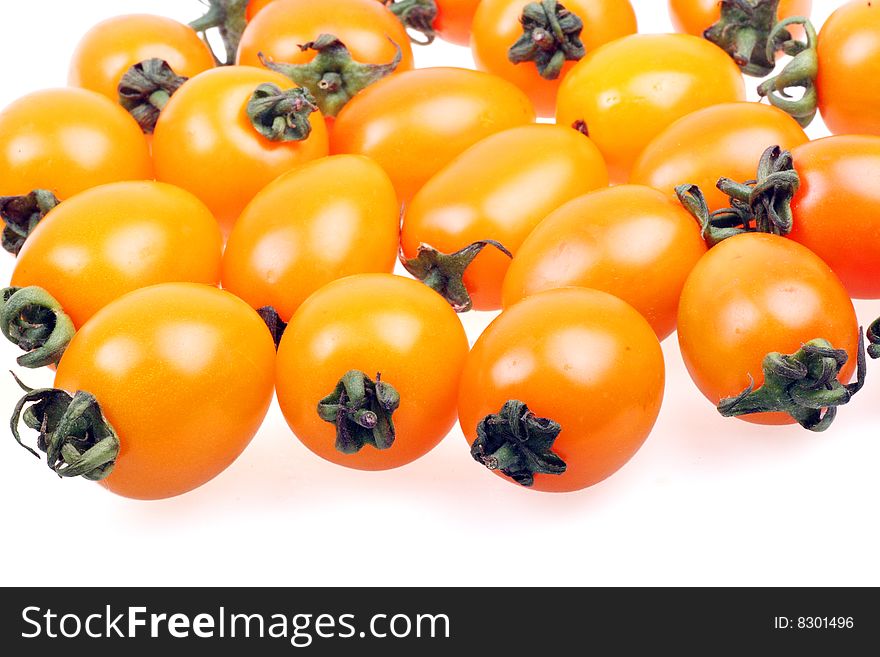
707,501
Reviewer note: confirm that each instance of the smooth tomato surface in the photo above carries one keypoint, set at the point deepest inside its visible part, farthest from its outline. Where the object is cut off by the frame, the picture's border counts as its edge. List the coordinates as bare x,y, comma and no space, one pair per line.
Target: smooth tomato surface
454,20
694,16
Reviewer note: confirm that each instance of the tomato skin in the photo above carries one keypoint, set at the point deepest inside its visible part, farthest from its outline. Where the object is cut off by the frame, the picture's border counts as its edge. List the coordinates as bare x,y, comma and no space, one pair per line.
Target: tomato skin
205,143
184,373
629,91
346,221
364,26
630,241
111,47
254,7
694,16
92,142
724,140
497,27
415,123
837,208
849,67
454,20
373,323
596,369
753,294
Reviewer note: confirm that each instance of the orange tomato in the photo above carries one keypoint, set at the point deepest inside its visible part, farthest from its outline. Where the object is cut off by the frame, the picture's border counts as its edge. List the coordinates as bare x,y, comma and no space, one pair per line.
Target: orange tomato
627,92
754,294
256,6
577,357
725,140
91,142
415,123
374,323
346,221
184,374
496,27
205,143
694,16
113,46
500,189
454,20
849,67
113,239
630,241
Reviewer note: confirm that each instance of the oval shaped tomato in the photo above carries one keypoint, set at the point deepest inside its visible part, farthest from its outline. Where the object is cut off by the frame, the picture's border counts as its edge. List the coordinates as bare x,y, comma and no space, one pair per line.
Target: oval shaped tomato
205,143
497,27
327,219
590,372
113,239
694,16
836,210
454,20
754,294
629,241
415,123
723,140
849,67
500,189
627,92
110,48
391,329
91,142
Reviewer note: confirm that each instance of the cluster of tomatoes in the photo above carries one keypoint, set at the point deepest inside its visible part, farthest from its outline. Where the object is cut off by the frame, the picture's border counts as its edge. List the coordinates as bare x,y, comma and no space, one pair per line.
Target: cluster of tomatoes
170,205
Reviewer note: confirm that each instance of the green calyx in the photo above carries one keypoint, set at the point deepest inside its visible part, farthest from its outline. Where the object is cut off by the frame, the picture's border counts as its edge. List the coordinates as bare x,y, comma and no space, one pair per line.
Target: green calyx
72,431
146,88
333,77
281,115
800,72
229,18
444,272
551,36
518,443
803,384
273,322
417,16
361,409
746,32
34,321
21,214
873,336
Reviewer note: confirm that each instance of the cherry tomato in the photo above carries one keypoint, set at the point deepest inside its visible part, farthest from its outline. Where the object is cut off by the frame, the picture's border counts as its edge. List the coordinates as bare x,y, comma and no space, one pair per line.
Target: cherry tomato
630,241
754,294
346,221
849,67
111,47
91,142
415,123
500,189
694,16
497,27
454,20
112,239
627,92
375,324
256,6
723,140
579,358
205,143
837,208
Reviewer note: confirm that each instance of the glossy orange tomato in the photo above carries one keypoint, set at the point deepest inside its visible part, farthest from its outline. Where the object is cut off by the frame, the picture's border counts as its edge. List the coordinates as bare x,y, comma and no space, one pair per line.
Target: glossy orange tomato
91,142
629,241
849,67
256,6
500,189
454,20
497,27
694,16
415,123
627,92
366,27
378,324
577,357
113,239
754,294
722,140
111,47
328,219
184,374
205,143
837,208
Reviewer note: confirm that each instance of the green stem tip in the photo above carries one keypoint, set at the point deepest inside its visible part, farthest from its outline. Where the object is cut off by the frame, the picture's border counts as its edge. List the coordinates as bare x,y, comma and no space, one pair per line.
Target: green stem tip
551,36
146,88
417,16
21,214
800,72
229,18
361,409
873,336
34,321
281,115
746,32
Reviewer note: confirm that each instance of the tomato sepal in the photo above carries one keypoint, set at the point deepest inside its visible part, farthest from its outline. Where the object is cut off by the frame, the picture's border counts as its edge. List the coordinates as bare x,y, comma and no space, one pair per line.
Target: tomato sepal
800,72
281,116
417,16
34,321
873,335
551,36
744,32
21,214
362,411
273,322
229,17
146,88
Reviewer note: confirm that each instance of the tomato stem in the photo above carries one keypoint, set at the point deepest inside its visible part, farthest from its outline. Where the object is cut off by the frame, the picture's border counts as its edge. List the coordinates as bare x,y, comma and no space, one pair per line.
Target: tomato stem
146,88
229,17
21,214
34,321
873,336
551,36
274,323
333,77
800,72
518,443
281,115
746,32
417,16
361,409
